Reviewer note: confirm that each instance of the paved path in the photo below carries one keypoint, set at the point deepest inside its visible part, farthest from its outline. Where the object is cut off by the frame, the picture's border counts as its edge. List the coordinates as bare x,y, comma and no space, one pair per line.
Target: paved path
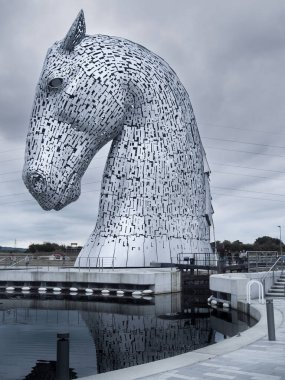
249,356
261,360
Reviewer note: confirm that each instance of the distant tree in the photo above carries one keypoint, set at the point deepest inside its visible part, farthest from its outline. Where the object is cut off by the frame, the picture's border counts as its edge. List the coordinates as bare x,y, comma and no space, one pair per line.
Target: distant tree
247,247
227,245
32,248
46,247
237,246
267,243
264,243
223,247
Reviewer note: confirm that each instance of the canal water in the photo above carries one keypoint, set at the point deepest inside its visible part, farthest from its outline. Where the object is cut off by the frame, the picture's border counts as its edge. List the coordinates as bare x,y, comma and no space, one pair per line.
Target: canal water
106,333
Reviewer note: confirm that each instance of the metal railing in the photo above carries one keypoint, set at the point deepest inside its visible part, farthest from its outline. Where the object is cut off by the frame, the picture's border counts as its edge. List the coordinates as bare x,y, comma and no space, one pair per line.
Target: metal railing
260,291
17,262
46,262
258,261
199,259
8,262
100,263
30,261
279,264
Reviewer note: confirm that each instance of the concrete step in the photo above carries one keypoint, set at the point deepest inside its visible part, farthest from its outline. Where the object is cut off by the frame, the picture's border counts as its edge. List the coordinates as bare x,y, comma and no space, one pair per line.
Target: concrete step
277,294
269,294
280,290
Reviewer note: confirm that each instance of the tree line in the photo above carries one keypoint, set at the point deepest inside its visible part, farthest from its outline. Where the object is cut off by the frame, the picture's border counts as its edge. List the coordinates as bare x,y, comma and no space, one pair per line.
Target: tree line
50,247
264,243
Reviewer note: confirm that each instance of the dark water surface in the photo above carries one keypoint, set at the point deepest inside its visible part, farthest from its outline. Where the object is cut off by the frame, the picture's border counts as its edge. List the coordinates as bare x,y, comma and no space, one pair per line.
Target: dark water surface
104,335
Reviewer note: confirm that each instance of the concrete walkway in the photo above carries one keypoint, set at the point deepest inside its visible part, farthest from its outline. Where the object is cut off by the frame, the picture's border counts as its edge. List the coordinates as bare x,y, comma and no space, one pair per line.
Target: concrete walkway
248,356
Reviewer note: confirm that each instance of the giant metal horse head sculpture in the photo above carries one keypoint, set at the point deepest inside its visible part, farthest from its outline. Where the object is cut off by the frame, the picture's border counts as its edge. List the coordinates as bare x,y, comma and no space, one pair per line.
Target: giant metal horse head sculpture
155,201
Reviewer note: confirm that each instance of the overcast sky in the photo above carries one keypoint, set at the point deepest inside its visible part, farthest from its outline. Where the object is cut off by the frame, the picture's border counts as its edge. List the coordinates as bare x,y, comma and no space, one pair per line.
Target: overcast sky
230,56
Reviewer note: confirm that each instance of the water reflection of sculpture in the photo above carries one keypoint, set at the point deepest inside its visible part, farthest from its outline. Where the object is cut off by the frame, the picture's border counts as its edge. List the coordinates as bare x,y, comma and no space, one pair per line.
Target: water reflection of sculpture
121,339
126,340
155,198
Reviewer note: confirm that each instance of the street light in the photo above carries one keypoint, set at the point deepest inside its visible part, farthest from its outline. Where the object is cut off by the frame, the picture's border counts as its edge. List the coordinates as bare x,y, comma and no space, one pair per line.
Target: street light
280,240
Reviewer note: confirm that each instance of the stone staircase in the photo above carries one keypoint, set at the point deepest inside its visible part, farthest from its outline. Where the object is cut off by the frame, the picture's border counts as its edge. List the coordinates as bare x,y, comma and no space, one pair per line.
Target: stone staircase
278,289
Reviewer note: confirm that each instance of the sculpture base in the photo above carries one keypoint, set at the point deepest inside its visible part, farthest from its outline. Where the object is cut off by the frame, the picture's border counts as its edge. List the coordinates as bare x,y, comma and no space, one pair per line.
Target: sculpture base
140,251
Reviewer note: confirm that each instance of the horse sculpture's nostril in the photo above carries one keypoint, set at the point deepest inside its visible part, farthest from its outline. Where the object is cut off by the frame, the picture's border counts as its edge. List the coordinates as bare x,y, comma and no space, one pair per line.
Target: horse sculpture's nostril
37,183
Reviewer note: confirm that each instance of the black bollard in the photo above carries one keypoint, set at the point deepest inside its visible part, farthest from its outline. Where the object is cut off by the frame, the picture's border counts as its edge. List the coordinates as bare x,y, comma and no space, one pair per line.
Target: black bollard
270,319
62,360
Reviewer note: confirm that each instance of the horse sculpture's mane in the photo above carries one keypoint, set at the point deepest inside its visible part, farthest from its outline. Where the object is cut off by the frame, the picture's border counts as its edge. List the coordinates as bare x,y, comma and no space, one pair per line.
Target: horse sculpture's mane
155,202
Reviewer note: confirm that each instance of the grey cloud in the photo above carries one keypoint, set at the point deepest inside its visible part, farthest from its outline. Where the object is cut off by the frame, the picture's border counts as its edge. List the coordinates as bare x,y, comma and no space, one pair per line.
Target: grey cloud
229,55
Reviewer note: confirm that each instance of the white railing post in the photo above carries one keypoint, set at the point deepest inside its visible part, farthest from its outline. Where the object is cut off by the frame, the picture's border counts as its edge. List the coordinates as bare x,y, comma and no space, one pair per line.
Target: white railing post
260,291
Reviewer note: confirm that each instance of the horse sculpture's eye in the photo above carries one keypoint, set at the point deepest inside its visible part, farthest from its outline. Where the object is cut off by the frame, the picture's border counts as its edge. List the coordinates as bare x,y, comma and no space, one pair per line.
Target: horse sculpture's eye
55,83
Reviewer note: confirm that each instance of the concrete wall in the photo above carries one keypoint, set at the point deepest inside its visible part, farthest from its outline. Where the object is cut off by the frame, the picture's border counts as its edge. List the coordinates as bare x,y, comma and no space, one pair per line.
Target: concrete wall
160,280
235,284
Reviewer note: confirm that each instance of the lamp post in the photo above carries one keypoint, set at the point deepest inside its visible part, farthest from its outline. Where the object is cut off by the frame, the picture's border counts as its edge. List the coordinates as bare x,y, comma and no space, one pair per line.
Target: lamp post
280,240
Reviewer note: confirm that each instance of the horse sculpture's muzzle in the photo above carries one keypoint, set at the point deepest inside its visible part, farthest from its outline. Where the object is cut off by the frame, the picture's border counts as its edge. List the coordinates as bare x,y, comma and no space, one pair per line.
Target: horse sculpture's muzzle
49,194
37,185
37,182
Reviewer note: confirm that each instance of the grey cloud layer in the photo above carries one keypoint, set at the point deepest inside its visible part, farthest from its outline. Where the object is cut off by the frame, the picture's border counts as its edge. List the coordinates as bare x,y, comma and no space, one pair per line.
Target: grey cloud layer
230,56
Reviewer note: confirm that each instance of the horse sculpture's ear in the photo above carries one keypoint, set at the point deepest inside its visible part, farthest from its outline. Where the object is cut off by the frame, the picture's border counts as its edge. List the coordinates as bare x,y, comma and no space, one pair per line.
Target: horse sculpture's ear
75,34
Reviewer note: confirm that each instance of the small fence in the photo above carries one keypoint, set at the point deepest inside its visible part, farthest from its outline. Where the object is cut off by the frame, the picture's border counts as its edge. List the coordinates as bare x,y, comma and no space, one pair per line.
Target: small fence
17,262
66,262
197,259
252,261
95,262
259,261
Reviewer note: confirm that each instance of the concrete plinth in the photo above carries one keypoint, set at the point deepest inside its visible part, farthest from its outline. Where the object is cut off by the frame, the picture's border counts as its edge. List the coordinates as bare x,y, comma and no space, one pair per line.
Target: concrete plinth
159,280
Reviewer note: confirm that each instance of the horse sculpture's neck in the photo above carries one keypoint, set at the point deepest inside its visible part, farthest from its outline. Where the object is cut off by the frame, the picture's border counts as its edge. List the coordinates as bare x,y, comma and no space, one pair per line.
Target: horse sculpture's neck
153,199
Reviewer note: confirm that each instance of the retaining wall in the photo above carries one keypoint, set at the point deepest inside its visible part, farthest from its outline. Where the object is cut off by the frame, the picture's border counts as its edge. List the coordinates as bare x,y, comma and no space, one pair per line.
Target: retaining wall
232,286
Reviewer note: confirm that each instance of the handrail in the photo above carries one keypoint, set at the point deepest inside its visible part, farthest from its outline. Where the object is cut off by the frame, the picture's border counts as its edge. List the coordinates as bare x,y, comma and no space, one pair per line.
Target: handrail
16,262
267,273
95,262
205,258
260,291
